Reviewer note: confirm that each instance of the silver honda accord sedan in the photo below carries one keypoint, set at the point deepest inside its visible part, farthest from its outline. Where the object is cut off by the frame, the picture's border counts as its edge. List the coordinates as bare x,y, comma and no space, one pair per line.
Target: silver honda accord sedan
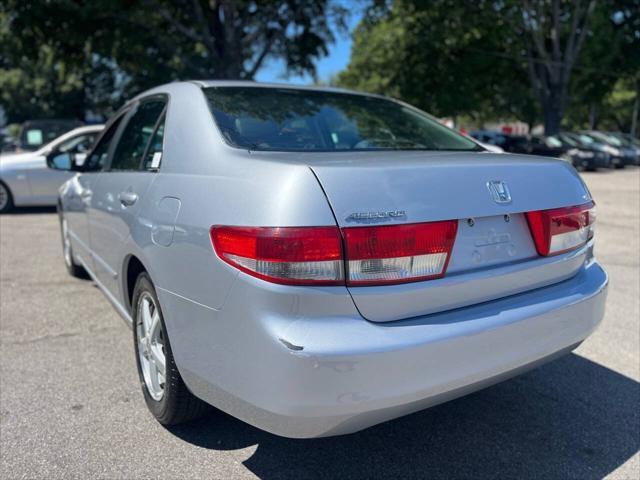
316,261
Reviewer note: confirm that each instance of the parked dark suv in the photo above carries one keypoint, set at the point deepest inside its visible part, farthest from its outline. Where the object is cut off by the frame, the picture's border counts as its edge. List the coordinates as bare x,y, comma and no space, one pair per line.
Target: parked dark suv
36,133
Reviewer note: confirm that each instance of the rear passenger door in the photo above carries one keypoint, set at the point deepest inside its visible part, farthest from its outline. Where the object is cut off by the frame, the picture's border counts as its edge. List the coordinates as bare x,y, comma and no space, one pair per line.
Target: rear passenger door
133,160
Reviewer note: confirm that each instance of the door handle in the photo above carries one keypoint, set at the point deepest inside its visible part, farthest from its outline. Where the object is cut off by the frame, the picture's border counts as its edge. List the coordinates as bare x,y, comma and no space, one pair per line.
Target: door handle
127,198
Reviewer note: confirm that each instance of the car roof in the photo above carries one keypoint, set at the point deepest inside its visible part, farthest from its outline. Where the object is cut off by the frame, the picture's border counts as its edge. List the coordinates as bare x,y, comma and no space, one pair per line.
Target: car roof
252,84
175,86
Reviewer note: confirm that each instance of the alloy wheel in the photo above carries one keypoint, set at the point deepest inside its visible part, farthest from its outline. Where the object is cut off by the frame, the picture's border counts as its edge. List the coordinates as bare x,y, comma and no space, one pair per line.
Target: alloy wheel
151,346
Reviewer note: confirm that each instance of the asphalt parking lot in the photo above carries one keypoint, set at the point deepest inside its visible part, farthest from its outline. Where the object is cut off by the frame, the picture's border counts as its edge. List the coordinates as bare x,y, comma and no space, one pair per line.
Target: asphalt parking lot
71,406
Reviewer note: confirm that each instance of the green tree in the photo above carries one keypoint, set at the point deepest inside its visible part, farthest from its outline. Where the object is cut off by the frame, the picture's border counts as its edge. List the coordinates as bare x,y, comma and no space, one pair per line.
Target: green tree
554,33
445,56
609,65
118,47
36,81
425,54
488,57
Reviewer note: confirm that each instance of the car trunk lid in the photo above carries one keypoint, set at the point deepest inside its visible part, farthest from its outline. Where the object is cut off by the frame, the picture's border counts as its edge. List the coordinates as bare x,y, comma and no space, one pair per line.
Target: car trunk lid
493,254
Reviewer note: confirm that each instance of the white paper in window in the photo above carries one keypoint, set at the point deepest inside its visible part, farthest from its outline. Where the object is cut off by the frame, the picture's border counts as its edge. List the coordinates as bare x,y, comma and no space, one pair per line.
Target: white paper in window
155,161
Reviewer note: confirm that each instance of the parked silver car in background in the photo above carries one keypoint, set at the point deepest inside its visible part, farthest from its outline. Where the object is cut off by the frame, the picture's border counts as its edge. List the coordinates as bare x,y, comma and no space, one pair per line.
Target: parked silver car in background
314,261
34,178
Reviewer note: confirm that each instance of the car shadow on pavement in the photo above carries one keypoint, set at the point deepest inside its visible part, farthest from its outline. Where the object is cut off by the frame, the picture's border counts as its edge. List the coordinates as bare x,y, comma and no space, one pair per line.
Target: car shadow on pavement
31,210
571,418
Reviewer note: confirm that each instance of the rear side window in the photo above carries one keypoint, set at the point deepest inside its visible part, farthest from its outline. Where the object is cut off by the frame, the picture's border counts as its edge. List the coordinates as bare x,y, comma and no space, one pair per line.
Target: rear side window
136,136
153,156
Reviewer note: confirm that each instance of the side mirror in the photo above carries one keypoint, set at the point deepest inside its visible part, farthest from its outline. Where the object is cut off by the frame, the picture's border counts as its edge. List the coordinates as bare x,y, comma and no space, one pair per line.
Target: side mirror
60,161
66,161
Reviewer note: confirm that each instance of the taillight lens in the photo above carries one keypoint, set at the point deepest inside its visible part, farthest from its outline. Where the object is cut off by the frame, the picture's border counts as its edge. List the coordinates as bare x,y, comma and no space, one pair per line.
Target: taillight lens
288,255
561,229
398,253
313,255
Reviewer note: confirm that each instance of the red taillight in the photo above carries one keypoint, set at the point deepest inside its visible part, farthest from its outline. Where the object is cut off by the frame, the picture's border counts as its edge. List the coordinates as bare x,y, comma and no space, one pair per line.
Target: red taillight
289,255
561,229
313,255
398,253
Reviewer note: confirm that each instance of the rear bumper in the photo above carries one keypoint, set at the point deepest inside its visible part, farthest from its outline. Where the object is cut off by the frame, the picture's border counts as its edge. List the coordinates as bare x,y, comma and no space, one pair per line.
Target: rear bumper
310,377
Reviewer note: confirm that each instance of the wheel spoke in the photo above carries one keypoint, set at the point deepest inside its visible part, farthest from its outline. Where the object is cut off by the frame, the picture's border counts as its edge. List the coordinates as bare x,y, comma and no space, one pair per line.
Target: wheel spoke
146,315
151,346
154,328
153,376
142,341
158,358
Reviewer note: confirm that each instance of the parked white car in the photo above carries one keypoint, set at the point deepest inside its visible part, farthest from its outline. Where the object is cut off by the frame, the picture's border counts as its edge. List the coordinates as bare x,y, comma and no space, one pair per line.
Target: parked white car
33,178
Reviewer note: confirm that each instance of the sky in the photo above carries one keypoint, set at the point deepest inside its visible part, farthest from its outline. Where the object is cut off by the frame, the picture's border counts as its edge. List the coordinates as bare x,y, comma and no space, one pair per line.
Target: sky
337,60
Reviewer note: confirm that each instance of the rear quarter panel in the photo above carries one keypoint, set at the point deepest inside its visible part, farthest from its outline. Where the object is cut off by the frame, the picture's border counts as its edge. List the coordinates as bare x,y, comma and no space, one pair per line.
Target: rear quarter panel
249,193
204,182
215,185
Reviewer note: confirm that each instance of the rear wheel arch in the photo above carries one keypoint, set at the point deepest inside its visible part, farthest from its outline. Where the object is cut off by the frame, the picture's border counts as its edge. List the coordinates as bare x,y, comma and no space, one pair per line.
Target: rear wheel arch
133,267
165,393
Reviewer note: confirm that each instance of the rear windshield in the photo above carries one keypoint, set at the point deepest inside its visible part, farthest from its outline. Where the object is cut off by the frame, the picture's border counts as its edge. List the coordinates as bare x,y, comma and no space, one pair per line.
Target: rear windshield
285,119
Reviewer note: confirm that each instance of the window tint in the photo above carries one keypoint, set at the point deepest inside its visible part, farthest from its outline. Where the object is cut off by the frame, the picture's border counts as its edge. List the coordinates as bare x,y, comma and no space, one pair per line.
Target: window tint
98,157
288,119
154,151
135,136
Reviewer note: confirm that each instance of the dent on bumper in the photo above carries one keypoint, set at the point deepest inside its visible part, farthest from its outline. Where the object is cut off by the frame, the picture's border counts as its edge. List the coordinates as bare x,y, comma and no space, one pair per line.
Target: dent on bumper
351,374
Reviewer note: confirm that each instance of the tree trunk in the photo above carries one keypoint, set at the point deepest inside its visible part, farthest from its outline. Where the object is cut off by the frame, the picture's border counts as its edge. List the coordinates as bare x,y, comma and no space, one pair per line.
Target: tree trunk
593,116
553,102
551,58
552,118
636,111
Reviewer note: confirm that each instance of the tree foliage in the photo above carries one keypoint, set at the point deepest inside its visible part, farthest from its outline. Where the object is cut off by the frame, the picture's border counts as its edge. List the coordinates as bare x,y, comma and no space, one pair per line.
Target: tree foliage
528,60
554,33
609,64
430,54
102,50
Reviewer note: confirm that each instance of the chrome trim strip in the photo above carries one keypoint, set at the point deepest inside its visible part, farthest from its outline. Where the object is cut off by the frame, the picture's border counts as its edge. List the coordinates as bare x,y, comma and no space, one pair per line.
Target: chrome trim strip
112,273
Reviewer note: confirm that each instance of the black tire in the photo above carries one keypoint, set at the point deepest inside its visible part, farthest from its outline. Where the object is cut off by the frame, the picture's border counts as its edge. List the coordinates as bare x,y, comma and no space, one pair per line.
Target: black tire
178,404
6,205
73,268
